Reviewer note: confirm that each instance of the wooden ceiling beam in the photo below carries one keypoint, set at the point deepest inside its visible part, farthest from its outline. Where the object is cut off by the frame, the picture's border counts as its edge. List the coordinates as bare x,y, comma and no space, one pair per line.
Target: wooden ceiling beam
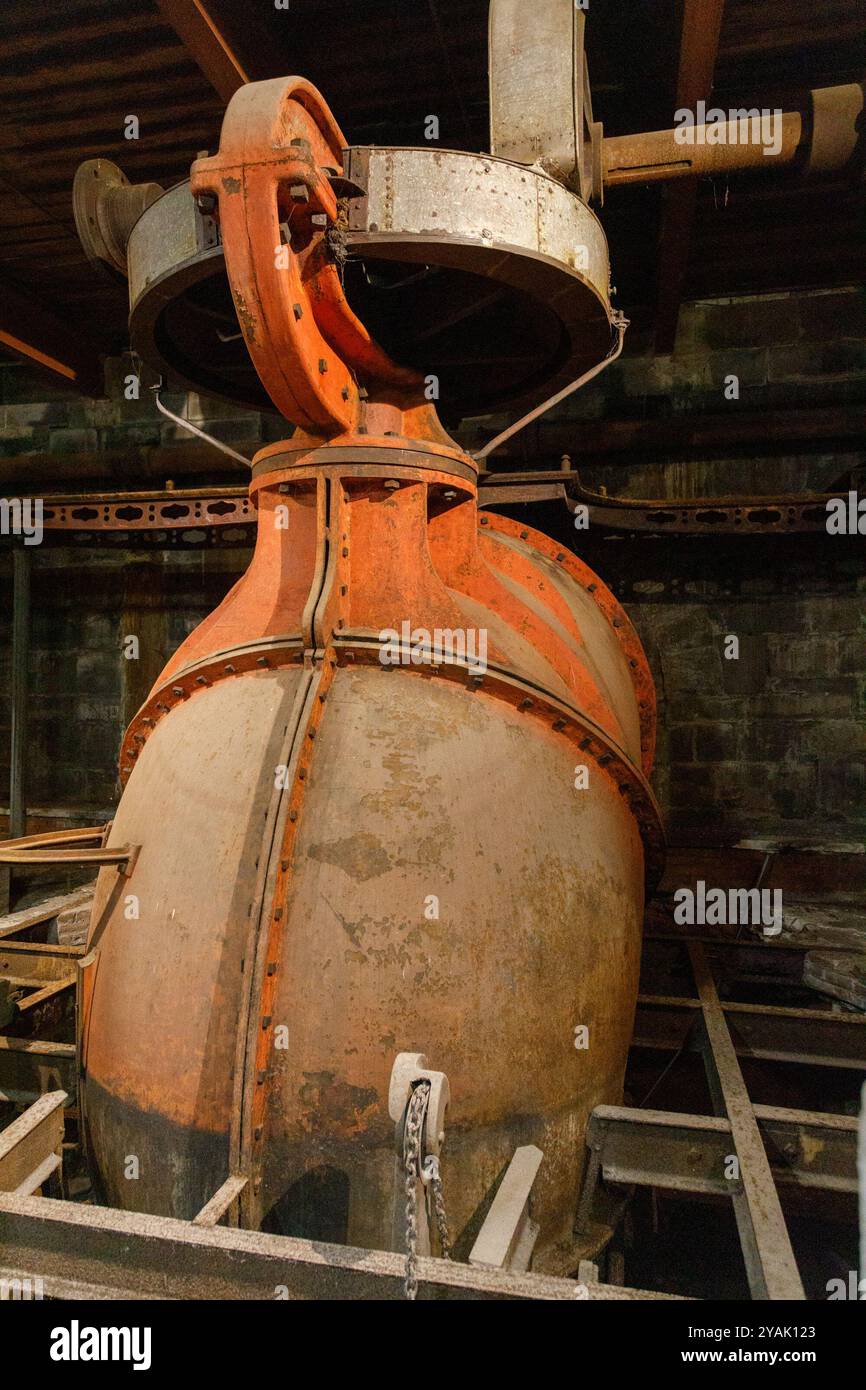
699,47
204,37
231,45
34,334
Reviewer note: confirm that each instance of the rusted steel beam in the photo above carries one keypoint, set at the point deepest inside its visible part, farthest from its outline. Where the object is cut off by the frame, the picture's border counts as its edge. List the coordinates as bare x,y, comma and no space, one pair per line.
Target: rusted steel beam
738,515
58,847
99,1252
656,156
47,343
172,509
685,1153
41,960
699,46
770,1263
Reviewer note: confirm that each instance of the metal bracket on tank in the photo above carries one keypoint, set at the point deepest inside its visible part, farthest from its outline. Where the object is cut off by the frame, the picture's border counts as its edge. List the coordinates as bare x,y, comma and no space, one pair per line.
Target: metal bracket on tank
409,1070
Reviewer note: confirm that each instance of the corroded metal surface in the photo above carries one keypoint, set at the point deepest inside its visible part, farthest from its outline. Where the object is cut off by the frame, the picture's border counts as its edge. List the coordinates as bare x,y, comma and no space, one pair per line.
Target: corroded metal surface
502,239
301,901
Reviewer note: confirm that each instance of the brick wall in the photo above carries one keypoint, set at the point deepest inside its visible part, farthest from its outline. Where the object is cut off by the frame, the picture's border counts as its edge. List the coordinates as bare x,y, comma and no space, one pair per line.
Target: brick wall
83,689
774,743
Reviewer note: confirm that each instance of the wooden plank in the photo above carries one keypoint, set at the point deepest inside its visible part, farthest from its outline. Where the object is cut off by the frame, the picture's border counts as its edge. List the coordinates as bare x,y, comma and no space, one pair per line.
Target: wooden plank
14,922
216,1208
129,1254
699,46
39,1176
770,1262
47,992
507,1222
29,1140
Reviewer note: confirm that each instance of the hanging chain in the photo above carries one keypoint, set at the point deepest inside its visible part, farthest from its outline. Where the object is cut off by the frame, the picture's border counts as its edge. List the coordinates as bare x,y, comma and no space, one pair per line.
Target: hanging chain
411,1152
431,1170
429,1174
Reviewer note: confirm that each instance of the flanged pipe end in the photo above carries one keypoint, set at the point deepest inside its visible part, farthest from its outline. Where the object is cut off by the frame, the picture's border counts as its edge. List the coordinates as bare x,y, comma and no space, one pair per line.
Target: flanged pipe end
106,207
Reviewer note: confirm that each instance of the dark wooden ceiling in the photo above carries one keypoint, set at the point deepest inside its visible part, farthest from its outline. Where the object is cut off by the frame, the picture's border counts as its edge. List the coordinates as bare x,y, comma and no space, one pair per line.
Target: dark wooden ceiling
71,74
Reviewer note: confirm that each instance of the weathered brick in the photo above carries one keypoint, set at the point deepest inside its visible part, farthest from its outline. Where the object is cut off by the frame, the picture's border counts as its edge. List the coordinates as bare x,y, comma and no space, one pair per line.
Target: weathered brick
842,791
98,673
841,314
73,441
800,656
692,668
747,673
828,740
715,742
748,365
838,359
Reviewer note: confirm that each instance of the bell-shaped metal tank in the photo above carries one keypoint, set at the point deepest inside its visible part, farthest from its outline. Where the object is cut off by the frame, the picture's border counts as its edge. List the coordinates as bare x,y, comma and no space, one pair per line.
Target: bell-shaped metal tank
366,828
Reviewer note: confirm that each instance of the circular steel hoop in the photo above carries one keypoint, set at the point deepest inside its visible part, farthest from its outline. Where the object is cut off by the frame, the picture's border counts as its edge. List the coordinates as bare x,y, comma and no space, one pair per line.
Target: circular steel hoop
446,251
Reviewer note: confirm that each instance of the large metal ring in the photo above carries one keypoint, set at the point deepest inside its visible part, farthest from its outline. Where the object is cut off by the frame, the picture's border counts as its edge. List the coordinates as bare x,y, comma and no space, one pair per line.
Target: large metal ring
446,252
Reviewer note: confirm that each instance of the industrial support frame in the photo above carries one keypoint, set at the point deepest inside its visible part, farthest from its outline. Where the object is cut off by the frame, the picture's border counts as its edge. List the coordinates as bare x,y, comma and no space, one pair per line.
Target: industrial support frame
80,1251
746,1152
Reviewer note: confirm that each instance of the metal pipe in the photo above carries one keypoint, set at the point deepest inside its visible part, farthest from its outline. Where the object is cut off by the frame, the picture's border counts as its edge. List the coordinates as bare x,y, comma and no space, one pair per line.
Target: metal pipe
620,322
656,155
20,663
194,429
826,136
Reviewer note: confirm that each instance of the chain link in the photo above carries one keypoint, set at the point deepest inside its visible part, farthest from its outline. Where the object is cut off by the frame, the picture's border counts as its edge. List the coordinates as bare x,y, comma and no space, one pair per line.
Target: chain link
415,1116
439,1207
411,1152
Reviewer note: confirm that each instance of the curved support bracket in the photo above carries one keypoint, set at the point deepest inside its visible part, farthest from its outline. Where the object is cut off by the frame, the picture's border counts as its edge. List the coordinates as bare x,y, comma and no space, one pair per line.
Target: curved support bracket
270,189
